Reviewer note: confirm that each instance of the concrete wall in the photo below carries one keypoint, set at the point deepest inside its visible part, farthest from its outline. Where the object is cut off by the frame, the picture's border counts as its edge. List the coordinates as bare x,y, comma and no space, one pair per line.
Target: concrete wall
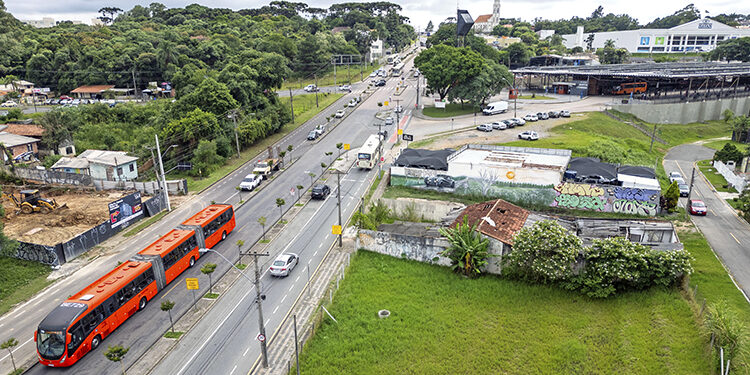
685,113
426,209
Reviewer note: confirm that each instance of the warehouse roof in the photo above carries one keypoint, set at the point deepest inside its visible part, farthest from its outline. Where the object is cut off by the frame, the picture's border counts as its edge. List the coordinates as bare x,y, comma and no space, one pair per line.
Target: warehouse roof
655,70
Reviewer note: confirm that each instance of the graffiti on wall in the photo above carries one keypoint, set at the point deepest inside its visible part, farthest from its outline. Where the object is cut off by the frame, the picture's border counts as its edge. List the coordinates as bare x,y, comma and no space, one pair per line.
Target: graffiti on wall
604,198
39,253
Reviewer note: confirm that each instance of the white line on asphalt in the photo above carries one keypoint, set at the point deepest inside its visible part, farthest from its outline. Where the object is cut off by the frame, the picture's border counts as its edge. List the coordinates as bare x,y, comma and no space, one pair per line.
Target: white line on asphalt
1,325
8,355
321,245
275,310
246,350
234,368
297,279
291,287
268,321
735,238
315,253
282,299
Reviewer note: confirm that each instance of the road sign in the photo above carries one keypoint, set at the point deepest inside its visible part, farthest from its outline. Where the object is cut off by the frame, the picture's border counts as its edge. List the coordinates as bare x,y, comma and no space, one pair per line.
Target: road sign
192,283
336,229
260,337
407,137
400,131
385,103
347,146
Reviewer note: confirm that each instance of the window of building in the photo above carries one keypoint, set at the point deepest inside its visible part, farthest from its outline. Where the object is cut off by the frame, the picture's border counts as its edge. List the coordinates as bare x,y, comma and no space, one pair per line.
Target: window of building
676,49
645,40
659,40
657,49
119,171
132,167
29,147
691,40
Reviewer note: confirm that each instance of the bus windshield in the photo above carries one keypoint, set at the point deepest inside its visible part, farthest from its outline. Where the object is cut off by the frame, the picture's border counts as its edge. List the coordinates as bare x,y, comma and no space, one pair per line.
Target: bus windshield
364,156
50,344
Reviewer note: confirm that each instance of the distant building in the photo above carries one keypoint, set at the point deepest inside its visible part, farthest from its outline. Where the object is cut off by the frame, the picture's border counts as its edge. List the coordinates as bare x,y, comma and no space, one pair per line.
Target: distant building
19,146
22,87
501,42
101,165
544,34
376,50
91,91
700,35
44,22
483,25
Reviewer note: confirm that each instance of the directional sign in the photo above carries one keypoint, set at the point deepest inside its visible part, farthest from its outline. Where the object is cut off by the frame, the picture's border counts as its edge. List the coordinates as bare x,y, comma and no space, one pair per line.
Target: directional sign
260,337
192,283
347,146
385,103
336,229
407,137
400,131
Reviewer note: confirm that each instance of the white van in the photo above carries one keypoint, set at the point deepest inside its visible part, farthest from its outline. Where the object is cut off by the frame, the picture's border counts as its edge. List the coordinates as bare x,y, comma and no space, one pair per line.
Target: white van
495,108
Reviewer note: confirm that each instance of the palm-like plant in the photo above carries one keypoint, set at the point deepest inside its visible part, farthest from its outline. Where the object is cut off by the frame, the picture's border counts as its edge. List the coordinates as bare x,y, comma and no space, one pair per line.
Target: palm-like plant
468,251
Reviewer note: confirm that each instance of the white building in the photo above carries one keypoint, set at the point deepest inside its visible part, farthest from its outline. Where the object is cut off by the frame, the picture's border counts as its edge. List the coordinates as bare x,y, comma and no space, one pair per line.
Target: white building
486,22
44,22
376,50
699,35
520,165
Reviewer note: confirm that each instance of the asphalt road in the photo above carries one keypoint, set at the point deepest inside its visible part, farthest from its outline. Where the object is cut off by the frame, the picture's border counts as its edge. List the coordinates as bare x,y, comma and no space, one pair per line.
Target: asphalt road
727,234
143,329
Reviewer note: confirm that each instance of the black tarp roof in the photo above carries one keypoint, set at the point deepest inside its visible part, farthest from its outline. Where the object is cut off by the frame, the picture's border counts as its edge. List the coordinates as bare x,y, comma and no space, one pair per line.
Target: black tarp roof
425,159
630,170
592,167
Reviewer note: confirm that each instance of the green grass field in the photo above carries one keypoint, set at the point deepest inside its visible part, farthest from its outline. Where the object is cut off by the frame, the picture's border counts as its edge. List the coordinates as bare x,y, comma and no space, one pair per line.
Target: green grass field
327,79
450,110
719,144
305,108
442,323
20,280
716,179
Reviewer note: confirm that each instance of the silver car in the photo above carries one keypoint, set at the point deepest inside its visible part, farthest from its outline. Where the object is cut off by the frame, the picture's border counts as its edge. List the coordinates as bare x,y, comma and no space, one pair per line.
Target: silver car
284,264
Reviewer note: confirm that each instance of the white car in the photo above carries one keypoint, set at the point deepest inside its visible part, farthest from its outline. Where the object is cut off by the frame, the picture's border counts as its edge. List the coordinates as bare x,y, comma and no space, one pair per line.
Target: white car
373,74
389,120
284,264
311,88
485,127
675,176
251,182
531,117
564,113
399,109
352,103
529,135
340,113
9,103
499,126
345,88
518,121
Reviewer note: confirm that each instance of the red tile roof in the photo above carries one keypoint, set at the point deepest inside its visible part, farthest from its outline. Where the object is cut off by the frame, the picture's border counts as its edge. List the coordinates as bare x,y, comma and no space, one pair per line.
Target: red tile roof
93,89
483,18
497,219
23,129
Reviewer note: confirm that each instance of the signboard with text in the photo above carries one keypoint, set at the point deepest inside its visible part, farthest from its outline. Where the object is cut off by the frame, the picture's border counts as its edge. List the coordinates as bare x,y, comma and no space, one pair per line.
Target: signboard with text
125,209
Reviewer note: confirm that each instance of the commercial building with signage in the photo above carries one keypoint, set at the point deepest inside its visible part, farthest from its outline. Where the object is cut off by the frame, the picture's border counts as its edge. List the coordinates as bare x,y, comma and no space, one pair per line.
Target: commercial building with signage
696,36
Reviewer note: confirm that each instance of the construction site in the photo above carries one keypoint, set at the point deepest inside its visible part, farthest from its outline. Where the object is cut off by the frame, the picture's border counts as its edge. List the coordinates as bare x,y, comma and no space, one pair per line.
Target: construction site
72,213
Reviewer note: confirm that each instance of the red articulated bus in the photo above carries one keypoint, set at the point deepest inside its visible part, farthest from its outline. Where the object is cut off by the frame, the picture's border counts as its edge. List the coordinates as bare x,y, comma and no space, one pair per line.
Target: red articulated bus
212,224
79,324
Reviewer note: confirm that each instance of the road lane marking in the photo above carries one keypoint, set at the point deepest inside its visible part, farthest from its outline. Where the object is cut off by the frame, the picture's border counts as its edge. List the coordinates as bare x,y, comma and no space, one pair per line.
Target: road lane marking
282,299
234,368
735,238
297,279
291,287
321,245
274,310
8,355
171,289
315,253
246,350
268,321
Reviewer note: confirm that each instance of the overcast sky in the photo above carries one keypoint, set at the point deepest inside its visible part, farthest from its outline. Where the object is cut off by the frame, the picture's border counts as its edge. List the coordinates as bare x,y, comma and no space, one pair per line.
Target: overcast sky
420,11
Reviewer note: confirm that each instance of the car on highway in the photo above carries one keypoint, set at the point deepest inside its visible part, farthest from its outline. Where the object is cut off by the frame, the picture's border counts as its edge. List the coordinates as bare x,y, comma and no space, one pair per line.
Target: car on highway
518,121
684,189
312,135
320,129
284,264
380,82
345,88
9,103
320,191
352,103
311,88
697,207
389,120
675,175
564,113
340,113
529,135
373,74
485,127
530,117
499,125
441,180
542,116
251,182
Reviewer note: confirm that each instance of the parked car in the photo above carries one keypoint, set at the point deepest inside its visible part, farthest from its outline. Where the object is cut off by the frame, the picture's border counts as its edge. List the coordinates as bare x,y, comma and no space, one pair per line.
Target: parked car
530,117
684,189
312,135
499,125
485,127
320,129
284,264
352,103
564,113
518,121
554,114
675,175
48,101
440,180
340,113
373,74
320,191
389,120
380,82
509,124
529,135
311,88
345,88
251,182
9,103
542,116
697,207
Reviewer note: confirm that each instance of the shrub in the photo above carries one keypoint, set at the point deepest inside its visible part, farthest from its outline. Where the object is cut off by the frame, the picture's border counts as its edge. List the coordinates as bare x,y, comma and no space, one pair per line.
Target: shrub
671,196
729,331
729,152
468,251
544,252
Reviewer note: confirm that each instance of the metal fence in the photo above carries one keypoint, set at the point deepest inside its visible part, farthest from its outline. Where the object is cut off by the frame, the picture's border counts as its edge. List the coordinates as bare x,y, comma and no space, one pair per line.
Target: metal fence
737,182
64,178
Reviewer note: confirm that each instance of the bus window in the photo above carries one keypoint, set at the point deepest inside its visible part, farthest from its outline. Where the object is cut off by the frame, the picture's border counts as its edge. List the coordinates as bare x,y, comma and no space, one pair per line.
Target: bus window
364,156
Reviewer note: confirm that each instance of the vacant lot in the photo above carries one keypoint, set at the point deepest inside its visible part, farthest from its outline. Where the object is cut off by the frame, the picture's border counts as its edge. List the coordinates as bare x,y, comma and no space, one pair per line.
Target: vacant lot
442,323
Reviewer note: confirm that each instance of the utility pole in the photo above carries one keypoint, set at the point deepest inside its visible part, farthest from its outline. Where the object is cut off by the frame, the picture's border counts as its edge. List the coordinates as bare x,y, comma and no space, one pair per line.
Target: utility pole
417,92
296,342
258,299
398,115
361,73
291,103
692,179
334,73
653,135
163,177
233,116
135,88
338,185
316,91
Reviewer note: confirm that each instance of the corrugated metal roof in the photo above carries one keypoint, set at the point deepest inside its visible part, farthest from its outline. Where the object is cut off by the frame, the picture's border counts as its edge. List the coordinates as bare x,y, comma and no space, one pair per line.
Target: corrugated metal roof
655,70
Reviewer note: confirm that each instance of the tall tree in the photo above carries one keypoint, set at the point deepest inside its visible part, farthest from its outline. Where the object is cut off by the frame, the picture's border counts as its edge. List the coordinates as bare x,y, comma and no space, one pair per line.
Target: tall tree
444,67
108,14
430,27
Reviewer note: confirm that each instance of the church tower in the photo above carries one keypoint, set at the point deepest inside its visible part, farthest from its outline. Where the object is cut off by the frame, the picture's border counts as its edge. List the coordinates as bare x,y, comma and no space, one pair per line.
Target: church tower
495,19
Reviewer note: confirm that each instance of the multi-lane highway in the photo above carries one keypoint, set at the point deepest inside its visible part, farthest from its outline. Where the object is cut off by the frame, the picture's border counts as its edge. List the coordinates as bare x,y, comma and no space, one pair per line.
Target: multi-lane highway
142,330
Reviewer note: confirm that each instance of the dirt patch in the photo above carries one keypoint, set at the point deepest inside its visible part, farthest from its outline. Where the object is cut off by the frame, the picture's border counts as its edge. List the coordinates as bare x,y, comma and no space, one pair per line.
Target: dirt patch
84,211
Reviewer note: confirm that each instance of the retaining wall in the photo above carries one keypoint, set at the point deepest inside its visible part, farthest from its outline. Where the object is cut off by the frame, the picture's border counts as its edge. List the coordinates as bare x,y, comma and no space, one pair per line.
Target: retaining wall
686,112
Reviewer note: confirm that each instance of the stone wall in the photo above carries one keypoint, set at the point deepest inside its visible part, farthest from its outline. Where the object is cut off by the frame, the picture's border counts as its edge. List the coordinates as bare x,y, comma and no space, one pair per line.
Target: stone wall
429,210
684,113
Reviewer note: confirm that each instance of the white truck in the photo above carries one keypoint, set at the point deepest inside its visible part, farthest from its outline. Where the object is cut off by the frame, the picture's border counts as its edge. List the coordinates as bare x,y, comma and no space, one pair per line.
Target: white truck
495,108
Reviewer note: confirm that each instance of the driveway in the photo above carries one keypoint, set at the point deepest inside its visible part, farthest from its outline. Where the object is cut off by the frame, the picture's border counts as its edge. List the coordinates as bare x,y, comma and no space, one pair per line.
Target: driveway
727,233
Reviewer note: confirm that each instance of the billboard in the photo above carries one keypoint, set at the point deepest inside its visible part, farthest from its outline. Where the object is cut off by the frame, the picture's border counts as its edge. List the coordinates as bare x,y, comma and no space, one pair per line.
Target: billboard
125,209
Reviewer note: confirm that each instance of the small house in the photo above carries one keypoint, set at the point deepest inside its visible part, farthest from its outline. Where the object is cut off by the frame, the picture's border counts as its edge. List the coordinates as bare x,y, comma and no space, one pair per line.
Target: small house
91,91
101,165
19,146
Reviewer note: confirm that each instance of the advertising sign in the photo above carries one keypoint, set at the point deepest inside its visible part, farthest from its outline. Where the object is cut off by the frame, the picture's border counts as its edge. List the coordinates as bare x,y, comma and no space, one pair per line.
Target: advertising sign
125,209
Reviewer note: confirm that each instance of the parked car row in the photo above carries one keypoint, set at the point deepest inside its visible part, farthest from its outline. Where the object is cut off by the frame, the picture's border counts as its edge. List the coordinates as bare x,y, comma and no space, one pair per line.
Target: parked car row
546,115
681,184
75,102
502,125
317,132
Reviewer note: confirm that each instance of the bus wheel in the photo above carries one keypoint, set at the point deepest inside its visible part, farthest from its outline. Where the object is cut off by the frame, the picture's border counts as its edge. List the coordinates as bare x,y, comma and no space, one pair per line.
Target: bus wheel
95,342
223,236
142,304
192,262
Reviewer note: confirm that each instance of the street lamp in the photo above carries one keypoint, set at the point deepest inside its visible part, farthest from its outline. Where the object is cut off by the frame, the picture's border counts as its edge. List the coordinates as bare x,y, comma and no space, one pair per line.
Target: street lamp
258,296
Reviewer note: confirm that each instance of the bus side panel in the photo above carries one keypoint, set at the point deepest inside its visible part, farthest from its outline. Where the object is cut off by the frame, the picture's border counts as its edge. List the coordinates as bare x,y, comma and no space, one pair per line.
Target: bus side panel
214,238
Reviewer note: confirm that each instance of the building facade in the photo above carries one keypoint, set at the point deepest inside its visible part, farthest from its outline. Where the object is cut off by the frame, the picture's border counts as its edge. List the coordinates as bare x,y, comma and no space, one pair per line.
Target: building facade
700,35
